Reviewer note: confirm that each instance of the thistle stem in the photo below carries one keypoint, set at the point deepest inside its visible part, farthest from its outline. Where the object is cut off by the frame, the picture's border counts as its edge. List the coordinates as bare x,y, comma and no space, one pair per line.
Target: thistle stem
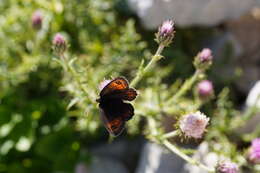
142,72
75,77
152,126
185,157
185,87
171,134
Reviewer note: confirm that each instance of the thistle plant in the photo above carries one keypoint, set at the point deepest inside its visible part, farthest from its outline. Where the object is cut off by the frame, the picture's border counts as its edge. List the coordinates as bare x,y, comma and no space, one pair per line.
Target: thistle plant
37,20
205,89
57,56
193,124
254,151
83,79
227,167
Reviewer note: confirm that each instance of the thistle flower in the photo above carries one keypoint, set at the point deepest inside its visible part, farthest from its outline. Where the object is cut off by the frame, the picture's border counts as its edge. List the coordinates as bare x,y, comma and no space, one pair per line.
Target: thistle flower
193,124
37,20
204,59
254,151
165,33
227,167
59,44
205,55
103,84
205,89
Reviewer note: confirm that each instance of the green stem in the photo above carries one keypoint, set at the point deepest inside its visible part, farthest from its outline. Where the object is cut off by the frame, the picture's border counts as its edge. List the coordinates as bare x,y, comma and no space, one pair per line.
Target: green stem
185,157
152,126
75,77
171,134
198,103
185,87
142,72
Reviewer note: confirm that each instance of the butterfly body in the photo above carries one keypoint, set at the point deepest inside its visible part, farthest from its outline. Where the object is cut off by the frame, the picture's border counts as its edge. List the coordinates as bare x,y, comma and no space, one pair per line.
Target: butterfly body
114,111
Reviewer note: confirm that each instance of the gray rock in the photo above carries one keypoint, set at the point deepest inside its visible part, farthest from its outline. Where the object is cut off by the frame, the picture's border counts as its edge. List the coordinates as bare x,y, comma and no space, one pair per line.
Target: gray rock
157,159
206,157
236,52
251,73
253,98
107,165
190,12
246,31
126,151
100,165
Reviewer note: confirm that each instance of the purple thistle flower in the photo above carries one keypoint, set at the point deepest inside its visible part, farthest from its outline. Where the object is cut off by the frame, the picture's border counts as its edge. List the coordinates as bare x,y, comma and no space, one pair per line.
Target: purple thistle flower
205,89
205,55
194,124
103,84
37,20
59,43
227,167
165,33
204,59
254,151
166,28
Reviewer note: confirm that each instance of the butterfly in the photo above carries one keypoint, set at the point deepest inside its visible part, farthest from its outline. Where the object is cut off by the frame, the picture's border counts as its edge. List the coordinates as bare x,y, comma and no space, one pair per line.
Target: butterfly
113,110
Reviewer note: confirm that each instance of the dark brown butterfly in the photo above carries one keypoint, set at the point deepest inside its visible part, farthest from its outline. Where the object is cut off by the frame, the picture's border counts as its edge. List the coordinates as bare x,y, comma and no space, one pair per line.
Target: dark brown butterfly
114,111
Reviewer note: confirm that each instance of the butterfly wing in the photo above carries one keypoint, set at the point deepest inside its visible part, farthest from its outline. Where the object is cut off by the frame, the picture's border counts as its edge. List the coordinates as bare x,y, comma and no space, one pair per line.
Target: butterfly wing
114,126
118,84
114,113
127,94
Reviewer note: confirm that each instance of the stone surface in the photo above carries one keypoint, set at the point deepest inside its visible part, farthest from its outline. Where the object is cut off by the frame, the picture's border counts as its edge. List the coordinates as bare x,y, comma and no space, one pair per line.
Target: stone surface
190,12
124,153
107,165
101,165
236,48
246,31
118,156
156,159
204,156
253,97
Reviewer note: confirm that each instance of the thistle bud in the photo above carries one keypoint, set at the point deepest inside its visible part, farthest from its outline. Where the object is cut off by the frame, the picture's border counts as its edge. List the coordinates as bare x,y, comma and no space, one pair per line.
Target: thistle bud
227,167
193,124
59,44
37,20
204,59
254,151
165,33
205,89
